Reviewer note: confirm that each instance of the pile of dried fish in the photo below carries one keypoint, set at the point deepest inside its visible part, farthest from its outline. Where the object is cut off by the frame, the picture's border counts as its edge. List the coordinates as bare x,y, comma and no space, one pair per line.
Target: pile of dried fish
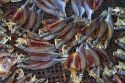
78,42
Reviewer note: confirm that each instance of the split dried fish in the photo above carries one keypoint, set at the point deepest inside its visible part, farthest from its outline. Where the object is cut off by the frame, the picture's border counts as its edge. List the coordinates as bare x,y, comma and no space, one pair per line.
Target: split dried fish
95,4
103,25
77,7
119,54
54,7
38,65
30,42
121,42
19,16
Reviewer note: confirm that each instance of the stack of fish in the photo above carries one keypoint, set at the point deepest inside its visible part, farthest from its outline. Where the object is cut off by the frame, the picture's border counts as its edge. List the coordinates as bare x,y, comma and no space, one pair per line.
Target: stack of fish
78,42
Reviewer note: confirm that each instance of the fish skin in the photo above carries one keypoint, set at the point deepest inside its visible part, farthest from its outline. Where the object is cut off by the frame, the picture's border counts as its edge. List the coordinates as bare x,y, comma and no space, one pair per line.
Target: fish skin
39,65
60,7
90,28
49,4
45,8
90,52
103,56
110,30
83,57
88,10
77,7
61,25
120,55
120,43
38,21
37,49
100,34
94,4
67,28
43,56
32,18
6,65
25,10
52,7
61,4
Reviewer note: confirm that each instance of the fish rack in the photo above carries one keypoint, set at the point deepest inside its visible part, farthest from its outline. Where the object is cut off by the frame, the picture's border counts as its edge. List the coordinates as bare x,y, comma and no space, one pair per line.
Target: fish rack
56,73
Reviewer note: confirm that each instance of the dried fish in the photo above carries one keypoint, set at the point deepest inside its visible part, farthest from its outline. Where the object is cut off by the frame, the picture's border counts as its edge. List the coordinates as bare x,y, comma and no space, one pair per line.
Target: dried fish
16,0
92,57
90,28
121,72
102,28
120,66
5,66
56,8
19,16
94,75
120,19
110,28
49,4
6,54
12,77
109,71
53,30
38,65
38,21
60,4
76,62
5,39
32,17
30,42
37,49
103,56
119,22
77,7
43,6
88,10
33,42
121,28
94,4
119,54
120,42
57,26
43,56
